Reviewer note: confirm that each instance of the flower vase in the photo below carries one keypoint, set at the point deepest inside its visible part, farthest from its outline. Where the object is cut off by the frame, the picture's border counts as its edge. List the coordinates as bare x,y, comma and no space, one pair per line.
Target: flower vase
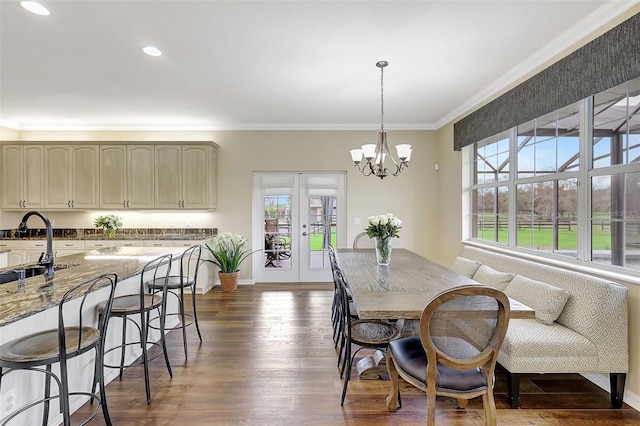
383,250
229,281
109,233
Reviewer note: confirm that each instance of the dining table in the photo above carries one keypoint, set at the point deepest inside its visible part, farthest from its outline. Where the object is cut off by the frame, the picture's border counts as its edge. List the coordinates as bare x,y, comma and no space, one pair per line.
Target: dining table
403,288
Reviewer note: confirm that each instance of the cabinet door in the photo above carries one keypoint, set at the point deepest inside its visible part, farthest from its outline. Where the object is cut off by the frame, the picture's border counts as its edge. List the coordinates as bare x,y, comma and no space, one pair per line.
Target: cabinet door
168,177
213,179
57,168
22,176
140,176
12,176
33,186
16,257
84,176
195,177
113,175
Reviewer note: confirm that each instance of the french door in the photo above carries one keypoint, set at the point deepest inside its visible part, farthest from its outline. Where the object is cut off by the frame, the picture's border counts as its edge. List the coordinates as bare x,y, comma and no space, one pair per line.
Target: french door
296,216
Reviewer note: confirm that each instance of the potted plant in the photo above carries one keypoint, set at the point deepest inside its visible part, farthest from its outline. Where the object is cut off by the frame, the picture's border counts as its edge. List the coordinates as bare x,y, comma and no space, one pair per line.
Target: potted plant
109,223
228,252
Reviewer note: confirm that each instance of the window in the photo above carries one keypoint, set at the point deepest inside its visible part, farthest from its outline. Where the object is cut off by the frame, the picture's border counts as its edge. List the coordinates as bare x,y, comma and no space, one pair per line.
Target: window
538,168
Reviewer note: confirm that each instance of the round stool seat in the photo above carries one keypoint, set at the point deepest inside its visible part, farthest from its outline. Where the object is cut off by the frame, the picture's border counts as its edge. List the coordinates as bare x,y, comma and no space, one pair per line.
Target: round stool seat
174,282
373,332
42,348
131,303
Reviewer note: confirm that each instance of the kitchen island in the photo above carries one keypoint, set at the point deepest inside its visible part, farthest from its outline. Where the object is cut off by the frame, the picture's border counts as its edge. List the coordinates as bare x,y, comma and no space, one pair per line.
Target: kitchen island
32,307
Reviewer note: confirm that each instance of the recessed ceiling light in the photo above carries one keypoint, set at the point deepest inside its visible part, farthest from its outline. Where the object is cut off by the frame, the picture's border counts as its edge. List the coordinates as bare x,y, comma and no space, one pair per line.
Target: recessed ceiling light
35,7
151,51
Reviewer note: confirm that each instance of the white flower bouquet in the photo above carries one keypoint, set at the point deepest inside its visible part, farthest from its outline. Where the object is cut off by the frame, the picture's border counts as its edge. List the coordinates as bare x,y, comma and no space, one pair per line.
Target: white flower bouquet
109,223
383,226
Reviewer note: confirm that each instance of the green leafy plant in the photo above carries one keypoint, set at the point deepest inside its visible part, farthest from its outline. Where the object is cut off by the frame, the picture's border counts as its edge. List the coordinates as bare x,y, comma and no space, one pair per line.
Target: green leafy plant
109,223
228,251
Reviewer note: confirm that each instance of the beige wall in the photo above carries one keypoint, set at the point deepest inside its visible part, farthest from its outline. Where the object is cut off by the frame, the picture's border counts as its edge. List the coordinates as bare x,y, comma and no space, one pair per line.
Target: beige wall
411,196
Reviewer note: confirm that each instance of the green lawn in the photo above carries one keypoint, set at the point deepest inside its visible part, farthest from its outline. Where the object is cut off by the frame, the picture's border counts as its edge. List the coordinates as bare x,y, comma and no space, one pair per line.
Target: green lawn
316,240
543,238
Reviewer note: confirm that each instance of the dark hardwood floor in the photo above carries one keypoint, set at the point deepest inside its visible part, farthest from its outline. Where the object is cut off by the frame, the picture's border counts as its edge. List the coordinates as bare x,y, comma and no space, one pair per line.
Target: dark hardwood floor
267,358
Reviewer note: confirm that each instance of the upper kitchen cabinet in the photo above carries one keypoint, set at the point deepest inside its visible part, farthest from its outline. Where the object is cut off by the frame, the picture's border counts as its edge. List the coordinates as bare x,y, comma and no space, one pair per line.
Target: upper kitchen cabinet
71,176
185,177
22,177
126,176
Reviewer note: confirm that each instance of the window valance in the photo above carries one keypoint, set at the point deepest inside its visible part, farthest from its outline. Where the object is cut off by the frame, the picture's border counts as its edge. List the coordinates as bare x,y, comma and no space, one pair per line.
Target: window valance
607,61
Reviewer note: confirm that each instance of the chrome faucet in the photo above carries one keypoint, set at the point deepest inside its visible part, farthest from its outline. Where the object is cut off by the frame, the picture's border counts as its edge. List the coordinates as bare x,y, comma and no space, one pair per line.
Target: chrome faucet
46,259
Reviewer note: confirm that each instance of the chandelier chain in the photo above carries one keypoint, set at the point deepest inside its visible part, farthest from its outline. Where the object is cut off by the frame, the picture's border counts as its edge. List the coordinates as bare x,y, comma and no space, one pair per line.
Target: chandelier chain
382,98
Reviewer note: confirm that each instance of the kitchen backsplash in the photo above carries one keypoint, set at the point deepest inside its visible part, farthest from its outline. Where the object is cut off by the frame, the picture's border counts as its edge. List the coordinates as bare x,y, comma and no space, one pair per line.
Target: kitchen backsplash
121,234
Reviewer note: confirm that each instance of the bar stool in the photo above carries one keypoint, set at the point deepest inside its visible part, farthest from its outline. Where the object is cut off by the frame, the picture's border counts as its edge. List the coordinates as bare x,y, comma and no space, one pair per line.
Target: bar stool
188,277
77,333
141,304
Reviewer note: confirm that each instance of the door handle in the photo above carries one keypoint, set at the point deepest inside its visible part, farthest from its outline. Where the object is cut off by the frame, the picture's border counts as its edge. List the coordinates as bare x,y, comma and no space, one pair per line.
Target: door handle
304,234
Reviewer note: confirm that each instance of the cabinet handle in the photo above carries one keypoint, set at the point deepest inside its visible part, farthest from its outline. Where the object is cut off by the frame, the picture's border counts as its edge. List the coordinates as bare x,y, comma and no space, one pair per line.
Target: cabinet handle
69,203
73,203
127,203
124,204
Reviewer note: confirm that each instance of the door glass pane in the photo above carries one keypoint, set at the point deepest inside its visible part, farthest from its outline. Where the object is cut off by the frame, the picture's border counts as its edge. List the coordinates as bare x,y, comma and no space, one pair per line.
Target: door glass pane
277,231
322,229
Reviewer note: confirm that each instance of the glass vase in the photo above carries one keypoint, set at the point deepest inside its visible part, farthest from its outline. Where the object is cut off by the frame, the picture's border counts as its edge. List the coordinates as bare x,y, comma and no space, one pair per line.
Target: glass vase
383,250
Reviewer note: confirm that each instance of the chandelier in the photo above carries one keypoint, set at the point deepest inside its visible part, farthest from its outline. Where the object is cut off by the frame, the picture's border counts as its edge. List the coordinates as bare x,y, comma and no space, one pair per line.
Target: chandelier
376,154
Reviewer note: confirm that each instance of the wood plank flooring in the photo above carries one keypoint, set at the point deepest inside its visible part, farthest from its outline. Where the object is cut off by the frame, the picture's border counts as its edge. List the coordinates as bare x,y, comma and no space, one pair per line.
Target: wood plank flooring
267,358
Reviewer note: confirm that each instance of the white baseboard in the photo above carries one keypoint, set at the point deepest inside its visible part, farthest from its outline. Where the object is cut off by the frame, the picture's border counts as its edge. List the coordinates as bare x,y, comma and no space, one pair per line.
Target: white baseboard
602,381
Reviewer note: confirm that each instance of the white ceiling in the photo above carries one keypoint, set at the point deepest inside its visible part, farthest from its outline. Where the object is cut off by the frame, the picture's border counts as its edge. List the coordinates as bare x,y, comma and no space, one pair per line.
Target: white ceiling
273,64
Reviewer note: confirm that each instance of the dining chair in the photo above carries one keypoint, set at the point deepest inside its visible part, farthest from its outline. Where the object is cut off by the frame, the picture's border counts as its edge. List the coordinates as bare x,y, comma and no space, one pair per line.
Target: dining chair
78,332
139,306
362,240
461,332
336,319
176,284
276,248
366,334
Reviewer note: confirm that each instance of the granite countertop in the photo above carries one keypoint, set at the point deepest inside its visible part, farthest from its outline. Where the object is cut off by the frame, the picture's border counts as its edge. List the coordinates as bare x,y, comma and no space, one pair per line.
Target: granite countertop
122,234
39,294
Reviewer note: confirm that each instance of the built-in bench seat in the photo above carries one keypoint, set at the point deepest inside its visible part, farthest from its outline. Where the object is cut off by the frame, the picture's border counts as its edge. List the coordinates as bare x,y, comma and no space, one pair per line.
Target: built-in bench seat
581,323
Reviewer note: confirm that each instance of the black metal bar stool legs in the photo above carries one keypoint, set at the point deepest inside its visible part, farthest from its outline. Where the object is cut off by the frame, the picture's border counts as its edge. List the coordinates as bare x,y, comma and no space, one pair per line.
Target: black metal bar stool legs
77,333
135,309
187,279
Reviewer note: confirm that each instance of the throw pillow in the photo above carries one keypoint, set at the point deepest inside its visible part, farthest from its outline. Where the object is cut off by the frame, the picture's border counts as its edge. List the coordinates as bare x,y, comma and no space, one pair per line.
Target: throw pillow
548,301
465,266
496,279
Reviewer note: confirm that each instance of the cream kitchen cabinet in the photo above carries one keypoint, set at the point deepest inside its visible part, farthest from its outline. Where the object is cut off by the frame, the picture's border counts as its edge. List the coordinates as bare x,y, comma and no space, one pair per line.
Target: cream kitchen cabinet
17,254
185,177
22,177
65,247
71,176
129,243
127,176
98,244
34,249
158,243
